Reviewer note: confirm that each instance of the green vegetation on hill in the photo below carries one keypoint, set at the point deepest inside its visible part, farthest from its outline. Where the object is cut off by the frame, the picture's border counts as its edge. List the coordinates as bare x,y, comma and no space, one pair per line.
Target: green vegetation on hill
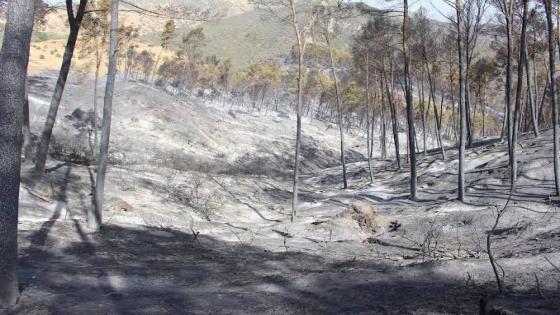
246,38
253,36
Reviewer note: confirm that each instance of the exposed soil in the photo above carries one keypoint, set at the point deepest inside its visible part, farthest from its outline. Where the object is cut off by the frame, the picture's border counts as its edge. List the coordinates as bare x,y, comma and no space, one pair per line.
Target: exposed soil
180,240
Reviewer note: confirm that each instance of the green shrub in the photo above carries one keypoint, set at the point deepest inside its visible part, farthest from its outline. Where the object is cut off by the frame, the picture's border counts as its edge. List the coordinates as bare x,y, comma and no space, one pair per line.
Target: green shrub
41,37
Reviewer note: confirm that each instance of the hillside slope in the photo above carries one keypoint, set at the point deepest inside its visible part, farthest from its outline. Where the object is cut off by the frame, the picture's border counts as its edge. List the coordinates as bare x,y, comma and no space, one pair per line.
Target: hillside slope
198,219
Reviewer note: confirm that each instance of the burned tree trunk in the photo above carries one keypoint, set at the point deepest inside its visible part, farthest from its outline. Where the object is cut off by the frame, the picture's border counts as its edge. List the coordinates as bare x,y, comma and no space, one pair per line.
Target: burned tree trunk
409,104
75,23
95,217
14,58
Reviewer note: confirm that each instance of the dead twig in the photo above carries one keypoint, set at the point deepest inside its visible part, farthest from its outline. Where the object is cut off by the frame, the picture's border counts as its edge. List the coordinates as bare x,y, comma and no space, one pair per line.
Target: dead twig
495,266
539,291
553,265
37,195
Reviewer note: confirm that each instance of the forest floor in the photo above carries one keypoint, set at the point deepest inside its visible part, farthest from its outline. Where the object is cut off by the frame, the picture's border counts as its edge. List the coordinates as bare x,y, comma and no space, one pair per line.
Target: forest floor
218,239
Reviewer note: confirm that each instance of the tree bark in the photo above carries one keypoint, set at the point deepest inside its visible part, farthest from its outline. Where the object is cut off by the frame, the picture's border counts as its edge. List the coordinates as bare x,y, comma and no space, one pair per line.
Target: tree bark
95,218
452,92
520,78
383,133
462,109
409,104
436,114
420,80
339,111
14,58
26,126
469,123
95,111
301,51
552,85
394,123
484,119
509,79
531,94
75,23
368,145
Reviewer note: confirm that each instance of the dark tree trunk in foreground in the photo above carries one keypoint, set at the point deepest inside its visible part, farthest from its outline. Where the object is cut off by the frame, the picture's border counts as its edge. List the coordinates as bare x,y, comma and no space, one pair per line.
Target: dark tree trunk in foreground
409,104
95,218
14,58
552,85
75,23
462,109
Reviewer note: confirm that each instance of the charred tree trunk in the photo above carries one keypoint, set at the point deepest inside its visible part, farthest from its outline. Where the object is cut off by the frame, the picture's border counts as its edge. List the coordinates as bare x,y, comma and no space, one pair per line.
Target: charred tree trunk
339,111
520,78
436,114
26,127
409,104
552,85
14,58
509,79
531,94
75,23
468,117
383,133
95,110
367,119
301,50
423,110
394,123
462,109
452,92
95,218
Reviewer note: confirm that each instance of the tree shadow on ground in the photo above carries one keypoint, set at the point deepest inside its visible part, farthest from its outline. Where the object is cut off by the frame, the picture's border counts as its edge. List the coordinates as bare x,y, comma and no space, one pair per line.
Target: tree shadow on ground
139,271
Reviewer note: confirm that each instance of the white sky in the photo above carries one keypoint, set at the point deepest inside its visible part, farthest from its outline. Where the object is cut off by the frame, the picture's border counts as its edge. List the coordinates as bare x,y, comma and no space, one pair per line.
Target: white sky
435,8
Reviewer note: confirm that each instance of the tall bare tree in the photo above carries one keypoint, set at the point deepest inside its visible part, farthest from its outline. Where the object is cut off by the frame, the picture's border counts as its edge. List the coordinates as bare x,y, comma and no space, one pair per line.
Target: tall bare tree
14,58
461,43
42,9
328,30
473,21
95,217
520,79
361,51
409,102
548,5
506,8
531,79
75,22
287,12
95,34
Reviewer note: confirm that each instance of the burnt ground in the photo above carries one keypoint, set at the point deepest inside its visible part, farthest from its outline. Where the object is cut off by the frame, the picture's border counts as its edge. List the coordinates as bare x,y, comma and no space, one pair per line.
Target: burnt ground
179,238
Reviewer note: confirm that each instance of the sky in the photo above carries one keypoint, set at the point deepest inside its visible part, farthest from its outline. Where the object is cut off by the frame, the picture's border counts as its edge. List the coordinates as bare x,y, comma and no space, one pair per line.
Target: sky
436,8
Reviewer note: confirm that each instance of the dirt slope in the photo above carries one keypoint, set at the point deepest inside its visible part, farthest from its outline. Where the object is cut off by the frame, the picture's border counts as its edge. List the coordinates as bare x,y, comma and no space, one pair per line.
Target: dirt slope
212,235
